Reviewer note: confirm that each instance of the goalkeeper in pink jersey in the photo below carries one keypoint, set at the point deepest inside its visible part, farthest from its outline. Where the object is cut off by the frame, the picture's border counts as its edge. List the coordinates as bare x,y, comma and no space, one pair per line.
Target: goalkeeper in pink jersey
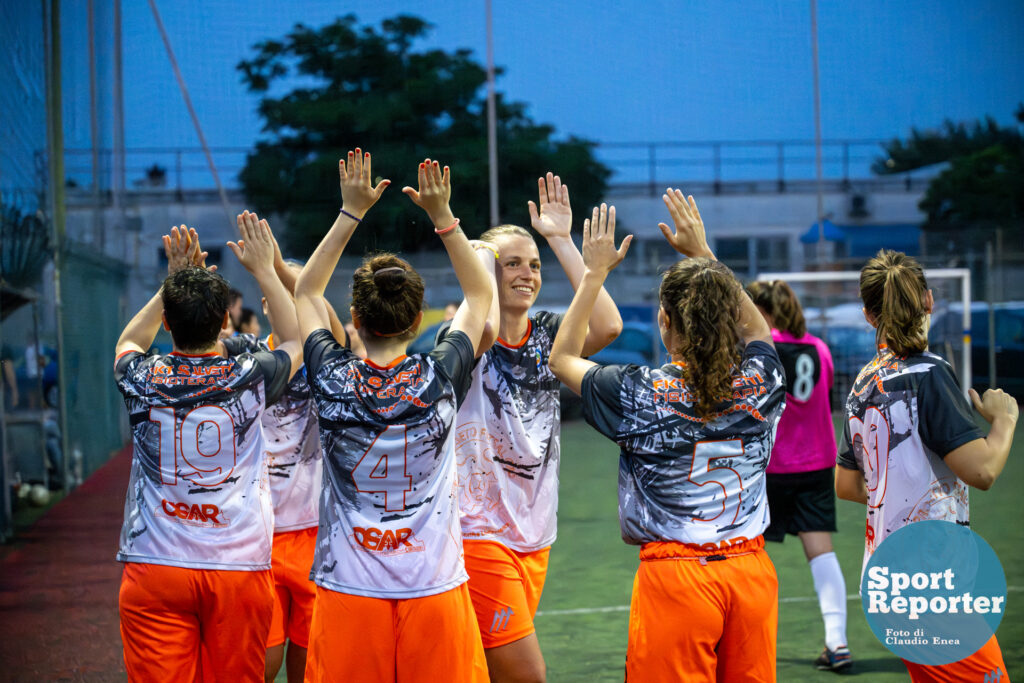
801,473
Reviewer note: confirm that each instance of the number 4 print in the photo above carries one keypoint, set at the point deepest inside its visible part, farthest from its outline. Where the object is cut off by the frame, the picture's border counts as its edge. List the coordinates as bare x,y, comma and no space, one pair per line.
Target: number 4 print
205,443
703,474
382,469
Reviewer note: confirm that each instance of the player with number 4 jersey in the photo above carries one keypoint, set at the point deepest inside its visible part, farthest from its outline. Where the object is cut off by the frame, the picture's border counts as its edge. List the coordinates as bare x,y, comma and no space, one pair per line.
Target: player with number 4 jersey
695,437
392,603
196,592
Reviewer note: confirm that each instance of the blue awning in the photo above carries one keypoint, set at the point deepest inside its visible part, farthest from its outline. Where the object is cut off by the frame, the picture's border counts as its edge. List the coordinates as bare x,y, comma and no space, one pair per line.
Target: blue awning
832,233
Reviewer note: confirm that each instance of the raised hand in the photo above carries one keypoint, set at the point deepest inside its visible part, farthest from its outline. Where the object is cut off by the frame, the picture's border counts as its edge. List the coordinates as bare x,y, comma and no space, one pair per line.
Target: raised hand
181,246
434,193
689,238
357,192
599,252
255,250
995,403
554,218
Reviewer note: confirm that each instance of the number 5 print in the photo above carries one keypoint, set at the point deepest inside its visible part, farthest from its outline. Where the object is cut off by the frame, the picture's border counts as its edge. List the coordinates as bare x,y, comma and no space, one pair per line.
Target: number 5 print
703,474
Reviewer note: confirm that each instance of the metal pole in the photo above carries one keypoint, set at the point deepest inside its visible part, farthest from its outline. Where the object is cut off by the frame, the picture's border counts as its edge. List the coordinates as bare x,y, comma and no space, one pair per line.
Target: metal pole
191,111
990,289
965,293
94,127
817,133
118,159
55,152
492,120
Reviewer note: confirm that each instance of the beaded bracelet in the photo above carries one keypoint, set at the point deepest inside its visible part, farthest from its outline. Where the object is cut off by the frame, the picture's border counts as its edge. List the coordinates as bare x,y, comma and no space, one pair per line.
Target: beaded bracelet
448,229
346,213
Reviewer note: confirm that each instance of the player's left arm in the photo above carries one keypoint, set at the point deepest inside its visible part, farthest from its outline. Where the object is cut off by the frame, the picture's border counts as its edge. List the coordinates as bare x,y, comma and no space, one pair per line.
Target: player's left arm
981,461
599,258
553,220
850,485
181,246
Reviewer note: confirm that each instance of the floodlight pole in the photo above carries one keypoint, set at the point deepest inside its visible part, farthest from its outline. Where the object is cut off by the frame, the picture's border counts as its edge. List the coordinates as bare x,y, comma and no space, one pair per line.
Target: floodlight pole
492,122
817,133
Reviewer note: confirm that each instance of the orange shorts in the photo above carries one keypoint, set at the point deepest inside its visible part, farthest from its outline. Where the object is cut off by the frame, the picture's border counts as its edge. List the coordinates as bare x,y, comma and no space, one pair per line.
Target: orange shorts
294,592
356,639
181,624
703,615
984,665
505,586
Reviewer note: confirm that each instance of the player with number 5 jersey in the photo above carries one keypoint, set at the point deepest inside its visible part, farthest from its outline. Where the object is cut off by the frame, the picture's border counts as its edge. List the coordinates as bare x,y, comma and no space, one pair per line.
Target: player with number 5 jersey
695,437
392,602
196,593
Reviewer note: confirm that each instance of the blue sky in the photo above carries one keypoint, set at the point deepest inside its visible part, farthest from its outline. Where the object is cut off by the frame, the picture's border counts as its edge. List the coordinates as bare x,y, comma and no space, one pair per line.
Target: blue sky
627,71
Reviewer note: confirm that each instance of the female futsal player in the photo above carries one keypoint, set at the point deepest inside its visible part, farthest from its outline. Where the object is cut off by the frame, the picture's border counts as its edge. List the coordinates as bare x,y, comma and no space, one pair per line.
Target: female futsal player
801,474
695,436
507,439
392,602
908,425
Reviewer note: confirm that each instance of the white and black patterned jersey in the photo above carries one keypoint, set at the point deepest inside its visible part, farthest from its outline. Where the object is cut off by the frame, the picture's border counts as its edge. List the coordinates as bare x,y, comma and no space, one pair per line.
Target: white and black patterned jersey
389,517
681,478
507,442
903,416
292,442
198,495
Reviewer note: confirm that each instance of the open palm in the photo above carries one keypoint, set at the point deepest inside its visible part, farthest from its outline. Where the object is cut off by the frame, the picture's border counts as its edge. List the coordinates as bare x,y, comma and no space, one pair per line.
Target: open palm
554,217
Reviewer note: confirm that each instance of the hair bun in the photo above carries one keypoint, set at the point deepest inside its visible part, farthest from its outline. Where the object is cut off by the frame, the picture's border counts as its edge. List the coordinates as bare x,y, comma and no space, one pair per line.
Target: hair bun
390,280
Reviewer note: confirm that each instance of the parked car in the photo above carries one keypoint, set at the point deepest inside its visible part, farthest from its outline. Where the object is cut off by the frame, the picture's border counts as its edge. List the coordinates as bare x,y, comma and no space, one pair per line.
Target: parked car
946,339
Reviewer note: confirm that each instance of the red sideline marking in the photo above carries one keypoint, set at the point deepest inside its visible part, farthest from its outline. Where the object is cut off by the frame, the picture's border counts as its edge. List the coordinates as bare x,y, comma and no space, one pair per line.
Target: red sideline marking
58,588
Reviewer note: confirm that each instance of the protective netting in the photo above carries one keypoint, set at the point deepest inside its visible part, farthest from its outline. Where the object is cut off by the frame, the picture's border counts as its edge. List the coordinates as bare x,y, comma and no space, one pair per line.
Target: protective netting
834,312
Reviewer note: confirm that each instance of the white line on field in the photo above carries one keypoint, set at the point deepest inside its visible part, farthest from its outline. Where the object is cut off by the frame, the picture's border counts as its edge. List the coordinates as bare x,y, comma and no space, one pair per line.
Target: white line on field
625,608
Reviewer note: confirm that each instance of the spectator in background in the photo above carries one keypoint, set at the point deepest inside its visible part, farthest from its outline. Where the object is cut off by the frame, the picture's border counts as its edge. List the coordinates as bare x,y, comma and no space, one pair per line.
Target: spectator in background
7,377
235,307
249,322
449,310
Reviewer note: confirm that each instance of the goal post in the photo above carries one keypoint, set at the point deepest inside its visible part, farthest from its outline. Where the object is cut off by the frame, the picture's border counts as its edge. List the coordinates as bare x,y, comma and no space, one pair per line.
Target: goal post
827,297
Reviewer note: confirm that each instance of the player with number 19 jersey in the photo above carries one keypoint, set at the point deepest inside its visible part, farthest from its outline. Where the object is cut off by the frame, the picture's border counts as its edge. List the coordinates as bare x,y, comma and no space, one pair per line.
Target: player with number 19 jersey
198,495
389,518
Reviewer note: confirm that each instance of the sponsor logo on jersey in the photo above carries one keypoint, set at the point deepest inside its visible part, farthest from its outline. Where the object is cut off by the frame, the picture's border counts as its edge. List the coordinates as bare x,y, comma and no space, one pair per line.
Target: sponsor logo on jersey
205,514
387,541
501,618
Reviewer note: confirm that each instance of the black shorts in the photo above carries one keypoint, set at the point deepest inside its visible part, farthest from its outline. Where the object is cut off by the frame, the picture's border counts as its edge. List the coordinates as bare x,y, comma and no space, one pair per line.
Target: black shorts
801,501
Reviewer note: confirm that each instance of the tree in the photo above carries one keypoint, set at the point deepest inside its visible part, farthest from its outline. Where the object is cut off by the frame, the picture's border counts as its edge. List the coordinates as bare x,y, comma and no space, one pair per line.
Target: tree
361,86
981,190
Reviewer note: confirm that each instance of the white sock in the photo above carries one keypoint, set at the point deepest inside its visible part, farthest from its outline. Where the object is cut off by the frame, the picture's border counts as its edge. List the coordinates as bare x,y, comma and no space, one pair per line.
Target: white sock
831,589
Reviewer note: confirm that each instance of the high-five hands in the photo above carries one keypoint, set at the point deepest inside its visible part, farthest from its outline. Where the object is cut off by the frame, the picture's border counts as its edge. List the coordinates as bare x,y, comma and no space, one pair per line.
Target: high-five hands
689,238
255,250
554,219
182,248
599,252
357,192
434,193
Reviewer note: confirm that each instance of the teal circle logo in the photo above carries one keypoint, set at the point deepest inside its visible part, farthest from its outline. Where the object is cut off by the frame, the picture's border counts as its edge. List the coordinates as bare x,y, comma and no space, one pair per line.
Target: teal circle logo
934,592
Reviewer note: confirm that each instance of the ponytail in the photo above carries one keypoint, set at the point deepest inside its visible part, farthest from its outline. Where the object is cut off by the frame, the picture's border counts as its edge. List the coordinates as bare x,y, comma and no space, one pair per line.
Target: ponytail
894,291
777,299
702,300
